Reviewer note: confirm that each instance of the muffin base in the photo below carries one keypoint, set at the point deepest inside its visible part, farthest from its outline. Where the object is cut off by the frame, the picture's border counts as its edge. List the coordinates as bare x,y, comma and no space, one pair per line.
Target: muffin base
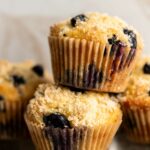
12,124
136,124
98,138
91,65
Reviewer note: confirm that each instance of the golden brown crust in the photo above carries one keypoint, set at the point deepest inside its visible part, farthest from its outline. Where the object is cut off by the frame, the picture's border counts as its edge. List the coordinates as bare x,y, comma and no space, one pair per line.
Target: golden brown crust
24,91
81,109
137,93
97,27
9,92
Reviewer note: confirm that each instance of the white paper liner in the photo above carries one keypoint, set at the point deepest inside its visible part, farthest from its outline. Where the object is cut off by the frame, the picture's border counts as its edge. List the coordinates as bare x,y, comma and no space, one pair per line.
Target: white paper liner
136,124
12,123
84,138
91,65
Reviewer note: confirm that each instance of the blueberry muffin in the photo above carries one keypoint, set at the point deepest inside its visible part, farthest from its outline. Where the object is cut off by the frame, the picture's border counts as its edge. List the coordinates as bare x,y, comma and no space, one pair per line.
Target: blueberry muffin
17,85
94,51
62,118
135,104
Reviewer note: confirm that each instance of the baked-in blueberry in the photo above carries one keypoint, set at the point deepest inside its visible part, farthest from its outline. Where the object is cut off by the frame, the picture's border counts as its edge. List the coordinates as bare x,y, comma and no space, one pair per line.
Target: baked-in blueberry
100,77
112,40
146,68
91,71
105,52
120,50
38,69
149,93
80,17
18,80
113,49
1,98
132,37
56,120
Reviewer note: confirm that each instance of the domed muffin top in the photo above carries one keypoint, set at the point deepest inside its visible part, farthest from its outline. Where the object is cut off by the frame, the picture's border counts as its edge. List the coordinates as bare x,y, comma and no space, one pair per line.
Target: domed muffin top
18,81
138,89
99,28
71,107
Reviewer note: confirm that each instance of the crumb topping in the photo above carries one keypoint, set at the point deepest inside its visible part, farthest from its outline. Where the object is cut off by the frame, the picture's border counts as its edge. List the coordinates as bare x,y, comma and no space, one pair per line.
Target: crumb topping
81,109
138,90
18,81
99,28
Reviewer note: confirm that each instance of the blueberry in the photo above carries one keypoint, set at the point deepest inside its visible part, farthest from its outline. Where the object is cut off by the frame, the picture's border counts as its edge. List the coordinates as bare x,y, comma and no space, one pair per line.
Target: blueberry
146,68
73,89
92,70
38,69
1,98
132,37
56,120
100,77
120,51
18,80
112,40
113,50
80,17
92,76
105,52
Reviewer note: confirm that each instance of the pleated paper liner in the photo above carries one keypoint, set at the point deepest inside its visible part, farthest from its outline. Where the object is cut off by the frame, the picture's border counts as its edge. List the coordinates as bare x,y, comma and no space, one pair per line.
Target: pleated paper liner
136,124
91,65
98,138
12,125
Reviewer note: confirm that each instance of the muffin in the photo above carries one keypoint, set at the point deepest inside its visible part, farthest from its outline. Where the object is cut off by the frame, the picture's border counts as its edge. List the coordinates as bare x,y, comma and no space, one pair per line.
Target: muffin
62,118
94,51
135,104
18,82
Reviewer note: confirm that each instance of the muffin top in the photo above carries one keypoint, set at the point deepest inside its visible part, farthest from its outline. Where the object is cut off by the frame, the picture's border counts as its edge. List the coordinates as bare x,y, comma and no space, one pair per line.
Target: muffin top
18,81
138,89
99,28
71,107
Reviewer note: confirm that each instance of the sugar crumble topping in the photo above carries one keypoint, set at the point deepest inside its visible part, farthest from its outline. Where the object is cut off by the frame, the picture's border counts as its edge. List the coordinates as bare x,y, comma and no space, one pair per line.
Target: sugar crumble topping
138,89
18,81
86,109
97,27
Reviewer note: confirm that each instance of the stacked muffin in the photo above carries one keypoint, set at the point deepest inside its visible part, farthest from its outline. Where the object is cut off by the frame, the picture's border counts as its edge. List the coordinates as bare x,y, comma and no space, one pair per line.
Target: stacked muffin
91,54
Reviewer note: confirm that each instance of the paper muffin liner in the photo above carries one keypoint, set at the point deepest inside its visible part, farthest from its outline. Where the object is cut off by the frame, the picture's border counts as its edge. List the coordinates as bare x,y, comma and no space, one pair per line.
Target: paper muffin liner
136,124
49,138
91,65
12,123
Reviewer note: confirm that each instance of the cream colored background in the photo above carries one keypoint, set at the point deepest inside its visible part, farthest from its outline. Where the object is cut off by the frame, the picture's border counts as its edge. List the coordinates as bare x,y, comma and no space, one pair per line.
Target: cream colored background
24,27
24,24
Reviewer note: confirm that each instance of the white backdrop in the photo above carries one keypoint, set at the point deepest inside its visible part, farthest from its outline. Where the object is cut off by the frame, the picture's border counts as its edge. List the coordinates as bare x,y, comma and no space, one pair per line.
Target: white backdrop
24,24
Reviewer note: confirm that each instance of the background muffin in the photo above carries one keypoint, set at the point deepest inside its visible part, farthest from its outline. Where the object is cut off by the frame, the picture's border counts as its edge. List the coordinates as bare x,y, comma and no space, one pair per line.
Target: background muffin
69,118
94,51
17,85
136,104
